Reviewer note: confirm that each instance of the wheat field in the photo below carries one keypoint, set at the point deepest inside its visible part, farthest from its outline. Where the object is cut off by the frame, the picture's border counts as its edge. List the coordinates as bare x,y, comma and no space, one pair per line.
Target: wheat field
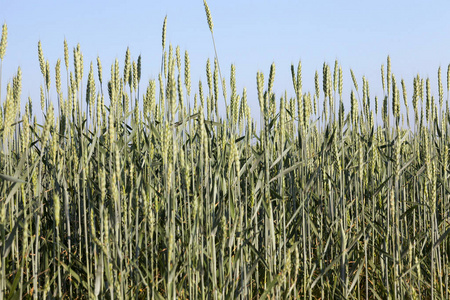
135,189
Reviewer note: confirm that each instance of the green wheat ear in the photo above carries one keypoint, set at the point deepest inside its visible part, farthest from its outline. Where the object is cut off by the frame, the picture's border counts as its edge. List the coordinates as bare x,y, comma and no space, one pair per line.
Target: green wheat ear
127,67
66,54
41,59
187,73
99,67
3,41
164,33
58,77
139,68
208,16
211,26
448,78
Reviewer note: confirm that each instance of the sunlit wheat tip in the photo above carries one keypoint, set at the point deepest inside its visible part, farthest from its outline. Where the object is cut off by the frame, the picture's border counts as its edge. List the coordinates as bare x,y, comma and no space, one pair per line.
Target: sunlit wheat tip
99,68
208,16
127,66
41,59
139,68
135,76
440,88
164,33
187,73
58,77
3,41
388,75
66,54
47,75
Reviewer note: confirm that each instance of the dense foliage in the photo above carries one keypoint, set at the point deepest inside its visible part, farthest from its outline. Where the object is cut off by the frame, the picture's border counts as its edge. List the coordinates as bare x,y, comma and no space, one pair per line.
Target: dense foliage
158,195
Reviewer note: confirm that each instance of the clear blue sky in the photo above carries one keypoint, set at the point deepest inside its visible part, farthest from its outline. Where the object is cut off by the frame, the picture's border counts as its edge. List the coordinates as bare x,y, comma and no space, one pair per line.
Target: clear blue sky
250,34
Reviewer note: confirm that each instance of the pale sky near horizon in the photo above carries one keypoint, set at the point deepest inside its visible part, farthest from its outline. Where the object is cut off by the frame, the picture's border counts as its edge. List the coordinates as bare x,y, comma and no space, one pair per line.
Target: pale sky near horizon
250,34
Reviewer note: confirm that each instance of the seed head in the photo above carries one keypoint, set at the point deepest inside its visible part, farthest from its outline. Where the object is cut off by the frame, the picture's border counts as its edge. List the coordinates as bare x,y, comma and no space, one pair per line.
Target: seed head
354,107
126,102
282,119
187,73
41,59
127,67
293,78
165,64
300,111
376,104
325,80
200,93
405,99
17,86
234,98
66,54
388,79
171,85
90,94
260,83
178,56
428,99
180,93
58,78
232,79
135,76
208,16
315,104
335,75
272,79
99,67
421,89
152,99
116,75
3,41
307,107
415,97
10,112
448,78
395,100
42,99
242,110
341,112
139,69
164,33
47,75
355,82
441,89
317,86
384,109
25,129
341,82
224,88
195,102
78,66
